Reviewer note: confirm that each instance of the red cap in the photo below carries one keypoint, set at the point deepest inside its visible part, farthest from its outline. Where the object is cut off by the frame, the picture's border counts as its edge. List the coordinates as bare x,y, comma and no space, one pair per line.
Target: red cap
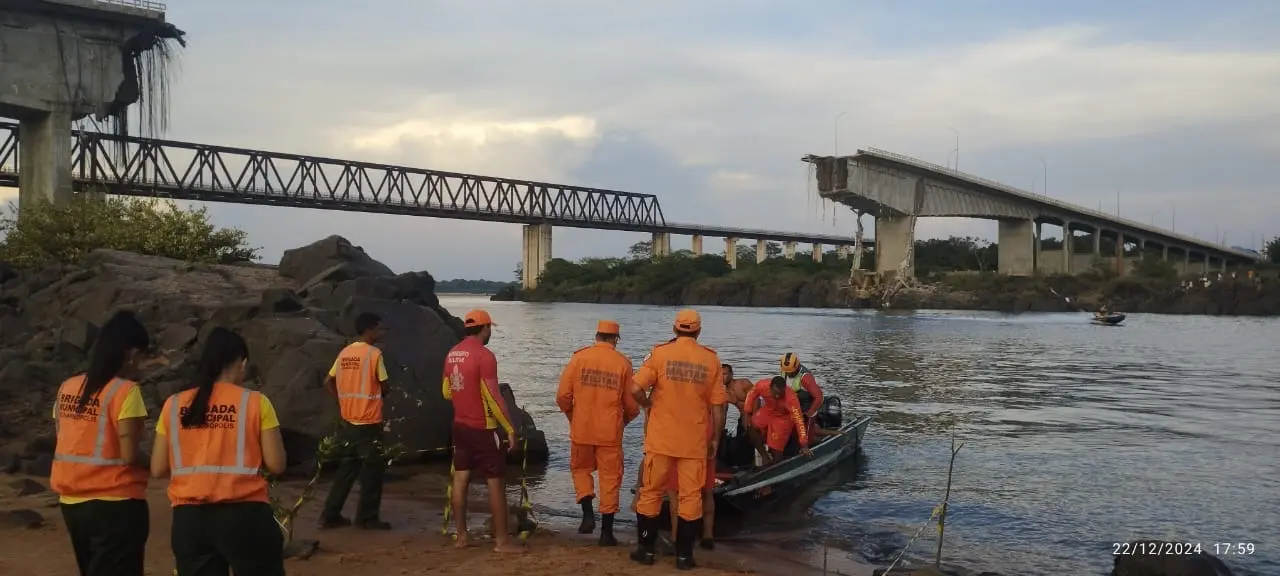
688,320
608,327
477,317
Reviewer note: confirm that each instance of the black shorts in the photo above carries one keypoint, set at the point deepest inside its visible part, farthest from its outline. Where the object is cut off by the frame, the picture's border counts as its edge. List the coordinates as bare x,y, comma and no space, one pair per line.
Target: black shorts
235,537
478,451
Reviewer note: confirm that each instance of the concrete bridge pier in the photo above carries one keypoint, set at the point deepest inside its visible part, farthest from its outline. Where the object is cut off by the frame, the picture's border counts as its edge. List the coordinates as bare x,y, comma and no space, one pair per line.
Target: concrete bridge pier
1017,251
696,245
842,252
817,252
731,252
660,245
537,252
789,250
762,251
63,60
894,236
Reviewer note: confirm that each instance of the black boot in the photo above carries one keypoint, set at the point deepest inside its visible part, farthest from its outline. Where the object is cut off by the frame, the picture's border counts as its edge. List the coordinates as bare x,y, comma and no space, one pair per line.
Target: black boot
686,532
606,531
588,524
647,537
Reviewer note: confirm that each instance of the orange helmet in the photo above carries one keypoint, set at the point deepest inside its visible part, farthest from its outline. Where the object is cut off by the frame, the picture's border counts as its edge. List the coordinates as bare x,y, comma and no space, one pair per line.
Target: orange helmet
790,362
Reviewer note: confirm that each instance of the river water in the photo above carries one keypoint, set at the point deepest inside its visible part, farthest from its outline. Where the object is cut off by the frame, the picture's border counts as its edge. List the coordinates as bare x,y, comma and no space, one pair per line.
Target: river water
1075,436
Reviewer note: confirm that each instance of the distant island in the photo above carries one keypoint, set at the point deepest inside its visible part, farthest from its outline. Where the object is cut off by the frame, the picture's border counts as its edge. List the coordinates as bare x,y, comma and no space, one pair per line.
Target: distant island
461,286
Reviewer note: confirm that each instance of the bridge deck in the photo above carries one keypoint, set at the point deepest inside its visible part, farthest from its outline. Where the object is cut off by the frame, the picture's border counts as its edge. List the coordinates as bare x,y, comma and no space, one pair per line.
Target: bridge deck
134,166
1047,204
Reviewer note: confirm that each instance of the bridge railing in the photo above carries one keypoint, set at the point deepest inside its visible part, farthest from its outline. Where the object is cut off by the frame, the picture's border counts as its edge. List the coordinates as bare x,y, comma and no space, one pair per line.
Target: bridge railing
1044,199
141,4
150,167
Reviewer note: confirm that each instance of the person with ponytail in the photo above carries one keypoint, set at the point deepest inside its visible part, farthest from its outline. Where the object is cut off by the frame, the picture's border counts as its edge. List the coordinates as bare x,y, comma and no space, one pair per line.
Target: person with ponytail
213,440
99,468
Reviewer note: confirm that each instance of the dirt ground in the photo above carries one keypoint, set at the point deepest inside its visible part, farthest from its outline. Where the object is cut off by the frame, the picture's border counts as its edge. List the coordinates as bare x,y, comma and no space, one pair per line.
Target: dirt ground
415,546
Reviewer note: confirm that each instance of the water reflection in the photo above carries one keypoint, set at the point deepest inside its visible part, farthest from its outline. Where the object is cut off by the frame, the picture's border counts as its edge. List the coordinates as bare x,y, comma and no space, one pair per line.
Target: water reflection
1076,435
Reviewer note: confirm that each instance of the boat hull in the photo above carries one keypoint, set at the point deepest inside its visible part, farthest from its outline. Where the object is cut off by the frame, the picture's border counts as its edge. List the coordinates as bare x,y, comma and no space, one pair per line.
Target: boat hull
750,490
1109,320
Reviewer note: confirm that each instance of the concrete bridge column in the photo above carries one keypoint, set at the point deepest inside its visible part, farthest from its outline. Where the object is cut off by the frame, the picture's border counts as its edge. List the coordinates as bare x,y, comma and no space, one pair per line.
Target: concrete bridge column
45,150
817,252
762,251
893,239
660,246
1164,253
1017,250
1067,241
697,245
731,252
537,252
1097,242
1037,245
790,250
842,252
1119,253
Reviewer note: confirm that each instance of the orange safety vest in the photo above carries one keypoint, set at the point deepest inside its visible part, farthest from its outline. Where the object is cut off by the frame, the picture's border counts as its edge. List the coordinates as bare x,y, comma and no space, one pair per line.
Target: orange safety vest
86,459
219,461
359,390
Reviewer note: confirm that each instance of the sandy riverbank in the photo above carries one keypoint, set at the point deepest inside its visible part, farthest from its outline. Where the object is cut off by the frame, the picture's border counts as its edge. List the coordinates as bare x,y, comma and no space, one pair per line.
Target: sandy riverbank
415,546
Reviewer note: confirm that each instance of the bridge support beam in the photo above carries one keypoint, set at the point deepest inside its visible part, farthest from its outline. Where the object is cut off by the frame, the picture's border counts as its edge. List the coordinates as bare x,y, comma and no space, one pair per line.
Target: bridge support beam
731,252
762,251
45,151
1016,249
790,250
660,245
894,235
537,252
817,252
696,246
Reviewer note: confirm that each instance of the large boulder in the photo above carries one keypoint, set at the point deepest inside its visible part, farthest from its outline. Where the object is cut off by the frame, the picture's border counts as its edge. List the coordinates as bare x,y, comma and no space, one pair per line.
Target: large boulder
295,320
335,256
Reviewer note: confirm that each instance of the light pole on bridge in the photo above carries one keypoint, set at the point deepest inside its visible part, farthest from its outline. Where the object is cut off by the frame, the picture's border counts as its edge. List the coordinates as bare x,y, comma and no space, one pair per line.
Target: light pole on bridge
957,149
1173,217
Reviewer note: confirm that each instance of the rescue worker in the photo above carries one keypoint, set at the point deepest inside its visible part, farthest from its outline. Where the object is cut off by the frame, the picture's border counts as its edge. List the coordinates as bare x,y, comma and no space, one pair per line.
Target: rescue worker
357,379
685,387
99,469
777,417
471,382
801,381
736,390
214,440
594,395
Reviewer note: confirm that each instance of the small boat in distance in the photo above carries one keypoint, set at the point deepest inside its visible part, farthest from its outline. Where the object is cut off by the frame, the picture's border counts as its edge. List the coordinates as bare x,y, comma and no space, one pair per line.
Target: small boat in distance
1108,318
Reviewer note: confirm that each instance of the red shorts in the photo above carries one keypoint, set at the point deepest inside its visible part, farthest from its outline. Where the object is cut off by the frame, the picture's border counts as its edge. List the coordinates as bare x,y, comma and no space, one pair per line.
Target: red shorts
673,479
478,451
775,428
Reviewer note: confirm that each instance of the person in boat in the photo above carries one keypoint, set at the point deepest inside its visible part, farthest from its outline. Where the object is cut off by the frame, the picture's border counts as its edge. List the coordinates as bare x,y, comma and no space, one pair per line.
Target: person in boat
1102,312
776,418
801,381
736,391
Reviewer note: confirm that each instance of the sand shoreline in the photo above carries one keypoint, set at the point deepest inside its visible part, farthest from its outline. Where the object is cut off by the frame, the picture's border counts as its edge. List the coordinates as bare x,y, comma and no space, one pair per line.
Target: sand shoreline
414,546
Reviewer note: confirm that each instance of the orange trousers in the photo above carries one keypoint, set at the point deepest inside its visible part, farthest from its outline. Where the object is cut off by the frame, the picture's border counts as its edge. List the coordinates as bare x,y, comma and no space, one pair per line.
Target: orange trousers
691,476
585,459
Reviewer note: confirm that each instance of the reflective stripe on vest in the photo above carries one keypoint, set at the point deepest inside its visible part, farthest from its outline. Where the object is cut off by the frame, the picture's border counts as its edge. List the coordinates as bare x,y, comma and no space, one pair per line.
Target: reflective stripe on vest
99,442
794,381
365,377
175,425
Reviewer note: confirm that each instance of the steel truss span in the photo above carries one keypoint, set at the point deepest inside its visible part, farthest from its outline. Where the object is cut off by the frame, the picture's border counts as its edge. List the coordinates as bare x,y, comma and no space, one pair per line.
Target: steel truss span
133,166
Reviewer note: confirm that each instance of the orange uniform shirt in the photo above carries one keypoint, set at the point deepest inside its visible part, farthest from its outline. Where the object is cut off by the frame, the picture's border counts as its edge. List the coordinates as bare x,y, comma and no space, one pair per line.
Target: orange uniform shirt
594,394
471,382
359,372
786,407
686,382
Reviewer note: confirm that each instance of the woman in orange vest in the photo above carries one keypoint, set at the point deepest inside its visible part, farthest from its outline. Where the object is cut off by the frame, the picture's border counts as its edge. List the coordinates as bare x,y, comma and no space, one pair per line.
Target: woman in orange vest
98,466
213,440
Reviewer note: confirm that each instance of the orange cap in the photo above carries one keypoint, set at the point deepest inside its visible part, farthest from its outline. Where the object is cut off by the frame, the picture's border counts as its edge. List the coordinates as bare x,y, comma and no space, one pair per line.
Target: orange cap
477,317
608,327
688,320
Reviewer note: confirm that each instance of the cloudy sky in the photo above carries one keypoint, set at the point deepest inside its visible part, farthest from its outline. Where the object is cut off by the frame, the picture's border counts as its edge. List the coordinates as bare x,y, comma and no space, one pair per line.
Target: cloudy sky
1174,105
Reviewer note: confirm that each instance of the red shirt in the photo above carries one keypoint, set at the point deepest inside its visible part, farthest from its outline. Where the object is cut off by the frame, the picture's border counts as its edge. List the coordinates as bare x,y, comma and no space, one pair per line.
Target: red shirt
471,382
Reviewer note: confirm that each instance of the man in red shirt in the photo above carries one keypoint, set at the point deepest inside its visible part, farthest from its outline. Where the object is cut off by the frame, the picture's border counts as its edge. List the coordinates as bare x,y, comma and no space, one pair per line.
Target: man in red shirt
777,417
471,383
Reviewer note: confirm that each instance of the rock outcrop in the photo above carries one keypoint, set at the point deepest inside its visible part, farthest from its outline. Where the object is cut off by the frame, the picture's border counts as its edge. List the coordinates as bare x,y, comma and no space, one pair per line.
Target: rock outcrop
295,318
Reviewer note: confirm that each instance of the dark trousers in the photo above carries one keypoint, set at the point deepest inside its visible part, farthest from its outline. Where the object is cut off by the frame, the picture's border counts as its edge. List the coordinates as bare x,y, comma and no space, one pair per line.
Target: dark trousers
109,537
359,455
221,539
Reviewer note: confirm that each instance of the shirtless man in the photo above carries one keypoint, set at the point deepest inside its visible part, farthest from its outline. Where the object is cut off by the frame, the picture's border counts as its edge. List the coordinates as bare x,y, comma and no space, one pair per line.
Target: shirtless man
737,389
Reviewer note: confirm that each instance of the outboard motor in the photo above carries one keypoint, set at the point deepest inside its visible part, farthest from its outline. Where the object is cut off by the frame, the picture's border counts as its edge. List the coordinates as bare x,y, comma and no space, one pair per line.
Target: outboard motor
831,415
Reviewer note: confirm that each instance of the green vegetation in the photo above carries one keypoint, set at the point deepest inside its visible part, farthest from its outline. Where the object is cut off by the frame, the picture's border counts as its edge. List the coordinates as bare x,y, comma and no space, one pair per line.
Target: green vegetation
1272,250
460,286
46,233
